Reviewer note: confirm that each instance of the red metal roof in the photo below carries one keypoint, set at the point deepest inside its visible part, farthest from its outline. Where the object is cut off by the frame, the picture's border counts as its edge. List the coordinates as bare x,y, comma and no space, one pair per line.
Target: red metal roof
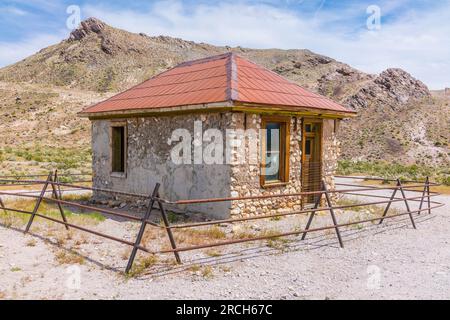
224,78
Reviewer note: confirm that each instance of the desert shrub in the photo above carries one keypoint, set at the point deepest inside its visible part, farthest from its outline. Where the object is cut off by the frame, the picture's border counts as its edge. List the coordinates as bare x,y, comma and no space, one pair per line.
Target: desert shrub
393,170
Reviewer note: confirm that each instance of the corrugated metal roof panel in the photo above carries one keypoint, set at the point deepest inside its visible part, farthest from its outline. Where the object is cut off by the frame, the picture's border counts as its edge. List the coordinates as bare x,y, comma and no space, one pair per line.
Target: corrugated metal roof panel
216,79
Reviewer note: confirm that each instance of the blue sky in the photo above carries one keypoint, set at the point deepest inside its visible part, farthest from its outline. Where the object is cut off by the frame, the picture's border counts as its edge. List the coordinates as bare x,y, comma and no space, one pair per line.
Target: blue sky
414,35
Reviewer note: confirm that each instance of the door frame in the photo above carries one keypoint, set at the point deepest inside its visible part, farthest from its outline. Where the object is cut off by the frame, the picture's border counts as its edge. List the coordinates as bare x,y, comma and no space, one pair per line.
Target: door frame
319,144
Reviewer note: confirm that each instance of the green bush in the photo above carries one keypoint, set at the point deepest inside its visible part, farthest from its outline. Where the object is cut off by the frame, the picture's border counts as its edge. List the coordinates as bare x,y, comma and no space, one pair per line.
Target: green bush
393,171
46,156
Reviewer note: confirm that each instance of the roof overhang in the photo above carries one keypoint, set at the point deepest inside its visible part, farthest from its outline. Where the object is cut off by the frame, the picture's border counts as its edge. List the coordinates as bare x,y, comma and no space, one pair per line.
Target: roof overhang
220,107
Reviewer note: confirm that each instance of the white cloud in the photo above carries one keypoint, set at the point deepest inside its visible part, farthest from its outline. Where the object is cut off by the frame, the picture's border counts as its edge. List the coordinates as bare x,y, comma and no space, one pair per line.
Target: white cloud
418,42
13,11
11,52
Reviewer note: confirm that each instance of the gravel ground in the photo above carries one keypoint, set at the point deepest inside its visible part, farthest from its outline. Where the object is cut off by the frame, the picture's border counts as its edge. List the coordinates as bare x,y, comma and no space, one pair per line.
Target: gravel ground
391,261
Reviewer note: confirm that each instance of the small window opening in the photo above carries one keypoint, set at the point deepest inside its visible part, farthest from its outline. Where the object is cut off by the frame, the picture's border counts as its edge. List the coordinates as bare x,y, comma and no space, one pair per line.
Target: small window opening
118,149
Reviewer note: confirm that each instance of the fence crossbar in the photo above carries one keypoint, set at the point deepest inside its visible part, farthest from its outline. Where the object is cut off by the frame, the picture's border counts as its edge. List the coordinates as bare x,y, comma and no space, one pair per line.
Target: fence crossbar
189,225
155,198
200,201
259,217
293,233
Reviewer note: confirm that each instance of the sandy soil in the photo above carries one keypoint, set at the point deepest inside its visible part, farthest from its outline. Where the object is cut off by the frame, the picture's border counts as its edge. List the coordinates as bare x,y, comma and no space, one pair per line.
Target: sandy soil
391,261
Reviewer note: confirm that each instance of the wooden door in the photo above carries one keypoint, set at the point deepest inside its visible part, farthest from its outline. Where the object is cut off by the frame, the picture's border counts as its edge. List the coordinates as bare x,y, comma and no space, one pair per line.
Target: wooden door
311,159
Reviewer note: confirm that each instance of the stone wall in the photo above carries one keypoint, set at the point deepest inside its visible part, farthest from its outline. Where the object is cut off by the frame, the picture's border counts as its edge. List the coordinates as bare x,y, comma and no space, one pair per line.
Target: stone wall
330,151
149,162
245,178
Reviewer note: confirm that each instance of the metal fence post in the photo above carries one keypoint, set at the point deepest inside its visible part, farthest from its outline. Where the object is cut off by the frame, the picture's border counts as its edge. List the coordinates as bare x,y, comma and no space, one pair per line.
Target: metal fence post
390,201
169,230
406,203
425,188
429,197
56,179
313,213
38,202
3,206
333,216
58,197
142,229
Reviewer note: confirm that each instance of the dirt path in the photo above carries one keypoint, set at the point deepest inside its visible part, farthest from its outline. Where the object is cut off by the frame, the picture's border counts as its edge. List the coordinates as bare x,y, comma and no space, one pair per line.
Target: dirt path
392,261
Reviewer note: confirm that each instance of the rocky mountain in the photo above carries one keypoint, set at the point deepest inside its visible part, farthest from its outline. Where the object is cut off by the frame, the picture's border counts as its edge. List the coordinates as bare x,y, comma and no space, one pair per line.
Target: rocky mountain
101,58
399,118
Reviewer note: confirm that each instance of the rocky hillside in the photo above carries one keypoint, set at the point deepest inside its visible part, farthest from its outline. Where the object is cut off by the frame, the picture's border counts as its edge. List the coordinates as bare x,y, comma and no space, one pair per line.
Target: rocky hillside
98,57
399,119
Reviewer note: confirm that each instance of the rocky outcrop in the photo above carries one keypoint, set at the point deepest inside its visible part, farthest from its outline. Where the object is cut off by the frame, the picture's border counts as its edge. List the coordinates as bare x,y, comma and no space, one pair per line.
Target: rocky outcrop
313,60
87,26
334,83
393,87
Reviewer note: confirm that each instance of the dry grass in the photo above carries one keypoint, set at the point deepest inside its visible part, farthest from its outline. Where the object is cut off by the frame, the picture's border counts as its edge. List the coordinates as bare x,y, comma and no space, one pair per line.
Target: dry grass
64,257
81,239
14,219
31,243
372,210
225,268
63,237
195,268
207,272
356,214
2,295
140,266
38,187
185,237
243,232
213,253
443,189
77,197
275,242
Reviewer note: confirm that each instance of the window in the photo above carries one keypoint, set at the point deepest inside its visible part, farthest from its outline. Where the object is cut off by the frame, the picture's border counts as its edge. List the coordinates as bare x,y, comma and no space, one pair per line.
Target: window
275,152
308,147
118,148
308,127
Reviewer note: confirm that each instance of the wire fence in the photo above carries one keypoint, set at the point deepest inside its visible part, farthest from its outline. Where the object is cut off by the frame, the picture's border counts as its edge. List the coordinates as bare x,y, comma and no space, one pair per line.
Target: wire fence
322,202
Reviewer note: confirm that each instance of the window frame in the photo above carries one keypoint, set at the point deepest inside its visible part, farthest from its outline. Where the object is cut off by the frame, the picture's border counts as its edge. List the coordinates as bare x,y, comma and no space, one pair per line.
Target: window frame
118,124
285,135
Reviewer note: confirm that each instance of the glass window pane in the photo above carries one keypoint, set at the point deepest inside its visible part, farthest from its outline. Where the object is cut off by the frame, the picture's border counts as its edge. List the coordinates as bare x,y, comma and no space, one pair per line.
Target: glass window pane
308,128
118,149
273,143
308,147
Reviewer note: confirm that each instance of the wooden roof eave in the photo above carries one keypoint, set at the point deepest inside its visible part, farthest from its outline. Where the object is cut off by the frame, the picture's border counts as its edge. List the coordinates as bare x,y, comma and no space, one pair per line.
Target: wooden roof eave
149,112
293,111
221,107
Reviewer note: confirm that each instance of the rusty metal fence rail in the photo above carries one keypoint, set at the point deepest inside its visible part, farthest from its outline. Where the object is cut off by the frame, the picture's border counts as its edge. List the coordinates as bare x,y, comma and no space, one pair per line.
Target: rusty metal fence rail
155,202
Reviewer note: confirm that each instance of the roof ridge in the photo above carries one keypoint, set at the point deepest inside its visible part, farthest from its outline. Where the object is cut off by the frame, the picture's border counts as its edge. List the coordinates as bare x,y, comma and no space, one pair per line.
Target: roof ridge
232,78
204,60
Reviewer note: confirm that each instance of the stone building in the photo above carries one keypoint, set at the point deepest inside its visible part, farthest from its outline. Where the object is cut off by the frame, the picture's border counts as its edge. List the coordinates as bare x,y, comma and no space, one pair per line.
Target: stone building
217,127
